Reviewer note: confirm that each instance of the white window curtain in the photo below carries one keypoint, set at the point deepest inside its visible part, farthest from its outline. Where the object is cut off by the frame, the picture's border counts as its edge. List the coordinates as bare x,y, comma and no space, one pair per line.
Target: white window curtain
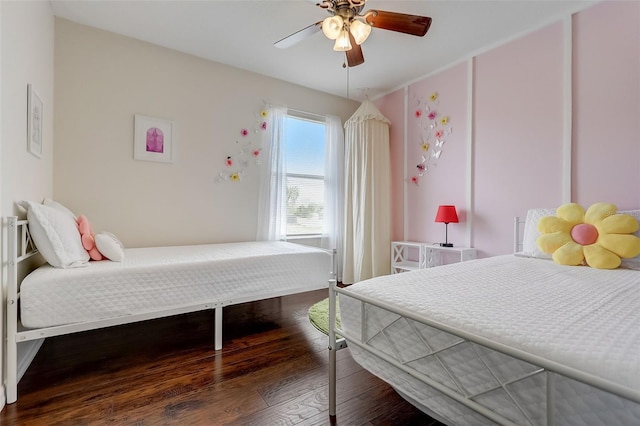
332,232
367,220
272,201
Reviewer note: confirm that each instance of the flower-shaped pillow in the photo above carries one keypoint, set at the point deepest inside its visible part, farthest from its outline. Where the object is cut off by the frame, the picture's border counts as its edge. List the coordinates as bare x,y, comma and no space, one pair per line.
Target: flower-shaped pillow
599,236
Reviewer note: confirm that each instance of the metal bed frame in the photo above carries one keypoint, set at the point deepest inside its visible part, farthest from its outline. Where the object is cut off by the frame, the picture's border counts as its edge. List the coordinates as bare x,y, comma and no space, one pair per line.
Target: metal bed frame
21,248
545,366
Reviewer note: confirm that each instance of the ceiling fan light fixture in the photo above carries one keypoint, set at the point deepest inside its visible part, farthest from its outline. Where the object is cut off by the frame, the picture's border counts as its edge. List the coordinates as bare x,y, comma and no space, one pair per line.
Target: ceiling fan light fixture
360,31
332,26
342,42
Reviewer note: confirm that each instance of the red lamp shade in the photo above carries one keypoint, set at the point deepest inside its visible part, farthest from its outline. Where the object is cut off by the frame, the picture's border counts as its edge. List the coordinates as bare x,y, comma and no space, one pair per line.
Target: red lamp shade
447,214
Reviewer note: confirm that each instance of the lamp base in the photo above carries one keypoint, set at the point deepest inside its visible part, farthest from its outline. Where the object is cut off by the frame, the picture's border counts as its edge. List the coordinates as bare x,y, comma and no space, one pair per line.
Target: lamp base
446,245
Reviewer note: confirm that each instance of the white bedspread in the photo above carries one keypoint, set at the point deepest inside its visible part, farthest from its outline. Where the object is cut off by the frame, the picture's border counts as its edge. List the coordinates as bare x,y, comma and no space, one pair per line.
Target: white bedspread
581,317
153,279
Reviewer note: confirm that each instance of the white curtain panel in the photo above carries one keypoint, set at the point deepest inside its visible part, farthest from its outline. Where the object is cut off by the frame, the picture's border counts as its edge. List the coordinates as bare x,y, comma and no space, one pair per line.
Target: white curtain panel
272,202
332,229
367,219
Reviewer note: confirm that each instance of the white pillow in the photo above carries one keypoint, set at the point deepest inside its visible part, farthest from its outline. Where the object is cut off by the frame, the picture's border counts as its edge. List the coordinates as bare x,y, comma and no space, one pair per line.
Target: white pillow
634,262
56,205
56,236
110,246
531,234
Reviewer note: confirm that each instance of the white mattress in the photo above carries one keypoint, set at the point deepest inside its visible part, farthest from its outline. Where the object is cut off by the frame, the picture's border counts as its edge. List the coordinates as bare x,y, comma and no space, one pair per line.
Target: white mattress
158,278
579,317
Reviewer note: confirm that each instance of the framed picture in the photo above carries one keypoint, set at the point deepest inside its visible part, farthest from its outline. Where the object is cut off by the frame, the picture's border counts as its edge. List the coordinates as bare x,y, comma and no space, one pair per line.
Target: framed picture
34,122
153,139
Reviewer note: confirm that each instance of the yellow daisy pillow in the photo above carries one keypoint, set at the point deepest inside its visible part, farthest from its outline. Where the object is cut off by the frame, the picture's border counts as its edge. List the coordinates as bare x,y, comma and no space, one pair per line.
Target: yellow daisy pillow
599,236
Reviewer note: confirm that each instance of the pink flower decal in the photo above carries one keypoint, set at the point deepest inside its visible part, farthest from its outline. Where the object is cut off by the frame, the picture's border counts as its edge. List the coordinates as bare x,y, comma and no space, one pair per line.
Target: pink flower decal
439,134
432,115
263,126
418,113
228,161
244,132
414,179
255,152
421,167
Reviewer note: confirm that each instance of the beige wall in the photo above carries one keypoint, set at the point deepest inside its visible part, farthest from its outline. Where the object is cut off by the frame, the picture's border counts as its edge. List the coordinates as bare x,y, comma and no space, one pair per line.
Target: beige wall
26,32
103,80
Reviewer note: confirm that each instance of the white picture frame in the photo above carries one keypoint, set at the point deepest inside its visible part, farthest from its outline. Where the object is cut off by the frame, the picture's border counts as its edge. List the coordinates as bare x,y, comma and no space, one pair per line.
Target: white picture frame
35,117
153,139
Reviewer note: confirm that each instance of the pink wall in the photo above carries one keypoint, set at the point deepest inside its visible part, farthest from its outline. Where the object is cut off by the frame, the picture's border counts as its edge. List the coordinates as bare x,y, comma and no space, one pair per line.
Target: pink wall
518,106
445,181
392,106
606,136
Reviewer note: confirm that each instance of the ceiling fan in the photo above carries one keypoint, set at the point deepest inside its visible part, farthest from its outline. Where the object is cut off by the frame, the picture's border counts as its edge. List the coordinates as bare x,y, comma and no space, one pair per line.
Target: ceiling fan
349,27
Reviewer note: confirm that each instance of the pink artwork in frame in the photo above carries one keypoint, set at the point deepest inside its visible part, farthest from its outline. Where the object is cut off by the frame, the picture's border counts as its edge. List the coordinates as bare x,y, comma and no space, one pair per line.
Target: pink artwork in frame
153,139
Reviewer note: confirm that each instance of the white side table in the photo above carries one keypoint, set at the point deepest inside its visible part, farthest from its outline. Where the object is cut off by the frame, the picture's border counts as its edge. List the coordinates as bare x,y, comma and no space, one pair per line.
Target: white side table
412,255
407,256
433,253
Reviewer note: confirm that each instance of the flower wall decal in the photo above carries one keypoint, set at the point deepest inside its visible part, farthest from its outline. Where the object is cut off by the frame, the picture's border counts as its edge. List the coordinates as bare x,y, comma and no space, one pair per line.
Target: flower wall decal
433,134
243,155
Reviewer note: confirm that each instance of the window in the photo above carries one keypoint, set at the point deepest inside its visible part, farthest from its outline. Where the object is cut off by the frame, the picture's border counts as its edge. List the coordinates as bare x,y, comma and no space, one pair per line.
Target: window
304,153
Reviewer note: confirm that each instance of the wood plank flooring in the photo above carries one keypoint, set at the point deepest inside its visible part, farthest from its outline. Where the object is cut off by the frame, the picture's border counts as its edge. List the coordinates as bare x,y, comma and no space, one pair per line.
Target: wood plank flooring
272,370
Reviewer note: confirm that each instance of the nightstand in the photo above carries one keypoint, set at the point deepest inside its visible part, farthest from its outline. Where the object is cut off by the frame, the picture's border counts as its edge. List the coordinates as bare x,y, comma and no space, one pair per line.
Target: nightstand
407,256
412,255
434,253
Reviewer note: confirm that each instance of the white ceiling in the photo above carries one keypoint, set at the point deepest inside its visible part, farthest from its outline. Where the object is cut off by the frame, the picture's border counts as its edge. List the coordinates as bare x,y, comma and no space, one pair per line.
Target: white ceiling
241,33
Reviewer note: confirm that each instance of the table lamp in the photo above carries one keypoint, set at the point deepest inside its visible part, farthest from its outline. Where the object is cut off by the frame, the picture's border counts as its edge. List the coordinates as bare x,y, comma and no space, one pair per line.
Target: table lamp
446,215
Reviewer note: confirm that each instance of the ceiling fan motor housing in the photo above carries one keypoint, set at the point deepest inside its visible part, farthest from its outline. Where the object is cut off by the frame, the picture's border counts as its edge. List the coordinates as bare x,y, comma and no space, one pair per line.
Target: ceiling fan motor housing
346,9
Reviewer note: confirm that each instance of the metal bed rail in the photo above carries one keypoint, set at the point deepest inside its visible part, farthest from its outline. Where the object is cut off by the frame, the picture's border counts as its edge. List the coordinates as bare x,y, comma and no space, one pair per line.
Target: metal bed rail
21,247
546,366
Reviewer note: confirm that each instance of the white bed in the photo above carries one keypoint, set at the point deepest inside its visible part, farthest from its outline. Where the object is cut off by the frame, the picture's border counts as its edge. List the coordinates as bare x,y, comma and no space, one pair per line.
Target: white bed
507,340
148,283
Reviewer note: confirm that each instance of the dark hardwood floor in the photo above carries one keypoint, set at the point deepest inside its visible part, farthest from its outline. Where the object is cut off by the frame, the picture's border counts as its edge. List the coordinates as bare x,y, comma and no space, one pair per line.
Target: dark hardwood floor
272,370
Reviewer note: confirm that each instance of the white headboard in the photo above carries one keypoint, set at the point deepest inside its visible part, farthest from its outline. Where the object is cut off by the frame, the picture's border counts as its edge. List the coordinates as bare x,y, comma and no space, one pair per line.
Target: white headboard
518,225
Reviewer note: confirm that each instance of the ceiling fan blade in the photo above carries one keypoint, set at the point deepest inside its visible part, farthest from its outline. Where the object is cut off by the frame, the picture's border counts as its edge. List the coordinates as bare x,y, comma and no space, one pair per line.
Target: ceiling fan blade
354,55
400,22
298,36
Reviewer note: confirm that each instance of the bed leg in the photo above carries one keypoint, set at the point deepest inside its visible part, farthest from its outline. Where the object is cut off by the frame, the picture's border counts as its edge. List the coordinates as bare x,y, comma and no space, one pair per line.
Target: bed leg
11,362
12,373
332,349
332,382
217,328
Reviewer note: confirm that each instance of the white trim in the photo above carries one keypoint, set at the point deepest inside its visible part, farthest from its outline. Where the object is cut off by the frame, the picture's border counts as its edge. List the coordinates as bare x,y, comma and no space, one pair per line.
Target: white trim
405,186
557,18
470,151
567,93
304,115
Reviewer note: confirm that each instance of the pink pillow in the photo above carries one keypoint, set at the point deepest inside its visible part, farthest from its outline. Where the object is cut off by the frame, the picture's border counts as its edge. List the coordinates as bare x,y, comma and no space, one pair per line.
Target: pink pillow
88,238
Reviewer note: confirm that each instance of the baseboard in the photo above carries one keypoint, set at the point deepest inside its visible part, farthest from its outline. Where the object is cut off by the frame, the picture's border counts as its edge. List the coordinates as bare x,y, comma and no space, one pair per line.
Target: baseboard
27,351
